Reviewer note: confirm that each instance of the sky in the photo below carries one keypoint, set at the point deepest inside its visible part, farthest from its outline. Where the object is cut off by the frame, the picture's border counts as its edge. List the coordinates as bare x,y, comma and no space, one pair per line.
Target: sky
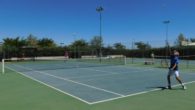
124,21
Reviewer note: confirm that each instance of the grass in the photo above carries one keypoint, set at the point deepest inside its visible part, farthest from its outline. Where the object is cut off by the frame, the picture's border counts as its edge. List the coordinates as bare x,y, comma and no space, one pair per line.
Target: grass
20,93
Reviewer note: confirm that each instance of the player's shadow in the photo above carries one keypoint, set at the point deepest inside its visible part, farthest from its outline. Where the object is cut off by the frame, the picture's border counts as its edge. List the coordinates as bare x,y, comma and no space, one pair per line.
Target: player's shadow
165,88
158,87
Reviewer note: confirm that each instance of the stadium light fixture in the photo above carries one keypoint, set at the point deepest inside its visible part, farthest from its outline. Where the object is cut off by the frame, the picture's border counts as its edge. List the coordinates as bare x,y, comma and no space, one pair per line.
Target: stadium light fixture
167,24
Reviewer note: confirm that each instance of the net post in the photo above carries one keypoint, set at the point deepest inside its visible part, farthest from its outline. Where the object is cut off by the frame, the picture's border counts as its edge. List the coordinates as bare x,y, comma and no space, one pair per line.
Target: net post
3,66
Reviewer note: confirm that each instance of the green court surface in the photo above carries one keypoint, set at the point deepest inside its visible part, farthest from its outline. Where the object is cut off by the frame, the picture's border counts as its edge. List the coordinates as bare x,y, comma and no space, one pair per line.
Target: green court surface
18,92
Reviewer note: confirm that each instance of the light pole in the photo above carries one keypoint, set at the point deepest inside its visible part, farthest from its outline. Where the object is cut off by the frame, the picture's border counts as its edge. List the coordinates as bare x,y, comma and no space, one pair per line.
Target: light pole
100,10
167,24
166,42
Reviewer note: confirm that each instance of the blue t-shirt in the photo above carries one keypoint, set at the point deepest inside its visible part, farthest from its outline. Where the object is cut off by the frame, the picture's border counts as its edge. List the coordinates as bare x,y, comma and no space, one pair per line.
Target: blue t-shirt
174,60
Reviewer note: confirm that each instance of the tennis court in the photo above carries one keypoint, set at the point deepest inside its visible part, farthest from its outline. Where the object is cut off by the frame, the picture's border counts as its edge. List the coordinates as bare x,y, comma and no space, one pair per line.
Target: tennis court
96,83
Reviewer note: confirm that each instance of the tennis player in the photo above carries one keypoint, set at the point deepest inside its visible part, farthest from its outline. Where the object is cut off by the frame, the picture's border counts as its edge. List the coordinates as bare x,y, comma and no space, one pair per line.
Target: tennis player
173,69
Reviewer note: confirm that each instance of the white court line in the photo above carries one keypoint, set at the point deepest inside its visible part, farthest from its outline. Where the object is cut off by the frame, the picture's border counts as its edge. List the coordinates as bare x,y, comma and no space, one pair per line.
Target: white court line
102,75
138,93
49,86
65,79
111,73
97,102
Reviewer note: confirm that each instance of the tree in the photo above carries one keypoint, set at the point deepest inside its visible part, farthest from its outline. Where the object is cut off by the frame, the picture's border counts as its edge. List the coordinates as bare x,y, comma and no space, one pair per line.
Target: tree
32,41
192,39
96,42
14,42
46,42
13,45
142,46
181,38
119,46
109,47
79,44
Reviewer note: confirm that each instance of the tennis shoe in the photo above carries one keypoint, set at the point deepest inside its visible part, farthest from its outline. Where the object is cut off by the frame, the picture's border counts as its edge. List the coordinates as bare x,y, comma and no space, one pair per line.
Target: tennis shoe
169,87
184,87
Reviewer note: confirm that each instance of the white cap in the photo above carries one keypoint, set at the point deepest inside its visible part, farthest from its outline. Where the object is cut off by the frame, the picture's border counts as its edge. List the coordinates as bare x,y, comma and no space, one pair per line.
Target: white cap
176,52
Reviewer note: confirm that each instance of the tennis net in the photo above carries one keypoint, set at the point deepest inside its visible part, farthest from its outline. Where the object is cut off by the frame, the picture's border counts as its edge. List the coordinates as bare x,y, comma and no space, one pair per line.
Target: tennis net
187,61
52,63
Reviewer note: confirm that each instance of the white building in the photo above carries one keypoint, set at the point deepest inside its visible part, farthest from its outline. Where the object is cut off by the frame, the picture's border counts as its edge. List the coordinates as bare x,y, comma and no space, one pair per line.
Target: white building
185,43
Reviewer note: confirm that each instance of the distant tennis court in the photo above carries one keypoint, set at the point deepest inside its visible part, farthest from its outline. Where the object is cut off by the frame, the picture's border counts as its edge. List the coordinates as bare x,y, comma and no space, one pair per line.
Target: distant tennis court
94,83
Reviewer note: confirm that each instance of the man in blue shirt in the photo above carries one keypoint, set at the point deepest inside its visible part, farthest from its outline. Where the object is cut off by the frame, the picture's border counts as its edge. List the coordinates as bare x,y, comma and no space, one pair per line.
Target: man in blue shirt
173,69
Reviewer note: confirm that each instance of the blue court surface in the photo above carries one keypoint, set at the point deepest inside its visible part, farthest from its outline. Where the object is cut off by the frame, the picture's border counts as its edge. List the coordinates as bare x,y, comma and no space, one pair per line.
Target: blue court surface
97,84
